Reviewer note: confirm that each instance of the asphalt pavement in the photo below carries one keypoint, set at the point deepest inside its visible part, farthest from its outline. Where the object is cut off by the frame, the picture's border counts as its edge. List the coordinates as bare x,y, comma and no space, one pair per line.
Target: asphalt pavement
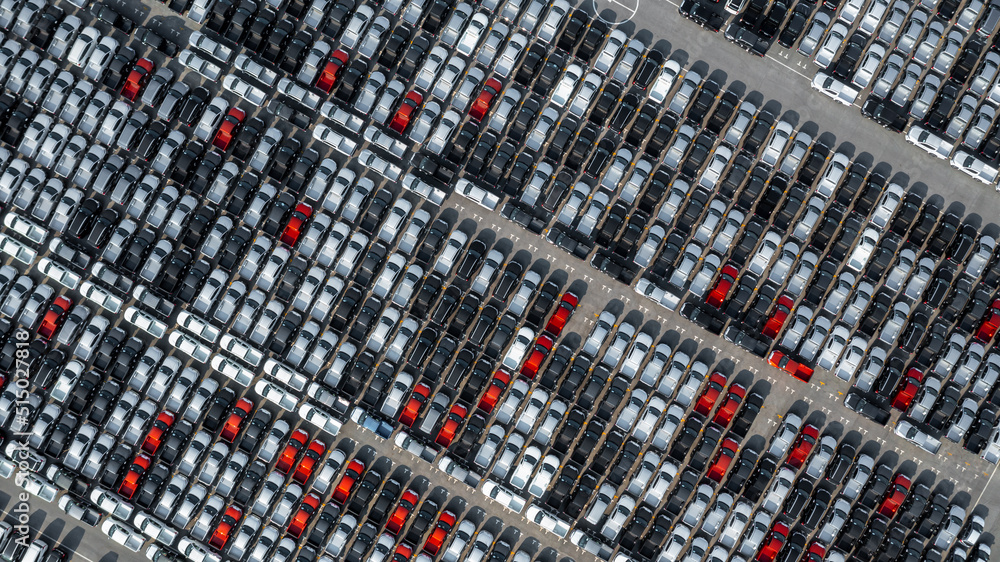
780,82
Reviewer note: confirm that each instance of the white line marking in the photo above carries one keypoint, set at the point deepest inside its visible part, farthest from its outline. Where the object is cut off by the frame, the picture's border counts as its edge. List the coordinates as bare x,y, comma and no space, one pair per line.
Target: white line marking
987,484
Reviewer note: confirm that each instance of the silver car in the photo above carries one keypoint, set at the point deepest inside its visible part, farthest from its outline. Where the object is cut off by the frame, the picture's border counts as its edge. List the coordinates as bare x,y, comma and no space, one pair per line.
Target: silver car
813,35
911,31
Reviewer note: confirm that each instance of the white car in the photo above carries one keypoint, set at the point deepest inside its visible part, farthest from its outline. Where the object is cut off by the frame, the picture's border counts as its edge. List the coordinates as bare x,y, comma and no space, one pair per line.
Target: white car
357,26
851,360
681,99
383,108
244,89
477,26
431,68
449,255
925,96
608,55
932,38
511,54
456,23
566,85
828,49
665,82
776,145
962,116
553,21
869,65
887,206
518,349
450,75
370,93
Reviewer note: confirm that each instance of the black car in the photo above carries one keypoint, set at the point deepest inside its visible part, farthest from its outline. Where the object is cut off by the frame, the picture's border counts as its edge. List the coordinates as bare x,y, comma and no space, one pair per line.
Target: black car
649,69
795,25
724,111
176,441
841,463
525,119
682,491
152,485
851,55
255,430
395,45
625,112
573,31
925,224
600,158
116,465
943,236
759,132
746,415
906,214
643,124
413,57
363,543
582,147
662,135
550,72
592,40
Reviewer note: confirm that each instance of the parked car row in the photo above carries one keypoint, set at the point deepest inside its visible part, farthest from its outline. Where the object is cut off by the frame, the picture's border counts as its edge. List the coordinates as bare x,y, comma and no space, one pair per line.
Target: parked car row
301,274
931,69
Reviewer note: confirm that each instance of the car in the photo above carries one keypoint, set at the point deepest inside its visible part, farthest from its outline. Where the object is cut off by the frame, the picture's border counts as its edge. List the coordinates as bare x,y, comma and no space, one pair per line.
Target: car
401,119
950,528
778,359
907,430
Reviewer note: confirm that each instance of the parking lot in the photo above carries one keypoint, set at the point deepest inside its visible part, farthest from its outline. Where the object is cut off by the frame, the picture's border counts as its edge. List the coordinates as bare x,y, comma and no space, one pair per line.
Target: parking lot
952,41
756,190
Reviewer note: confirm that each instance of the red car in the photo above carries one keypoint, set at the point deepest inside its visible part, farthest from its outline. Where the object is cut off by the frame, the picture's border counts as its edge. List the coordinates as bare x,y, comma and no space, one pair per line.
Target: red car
778,317
290,235
347,481
444,525
786,364
816,552
451,425
55,316
403,553
309,461
291,452
989,327
137,79
722,286
481,106
803,445
543,345
723,459
306,510
402,512
327,78
221,534
228,129
156,433
727,411
558,321
907,389
706,401
417,399
401,120
131,482
234,422
895,496
492,395
773,543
